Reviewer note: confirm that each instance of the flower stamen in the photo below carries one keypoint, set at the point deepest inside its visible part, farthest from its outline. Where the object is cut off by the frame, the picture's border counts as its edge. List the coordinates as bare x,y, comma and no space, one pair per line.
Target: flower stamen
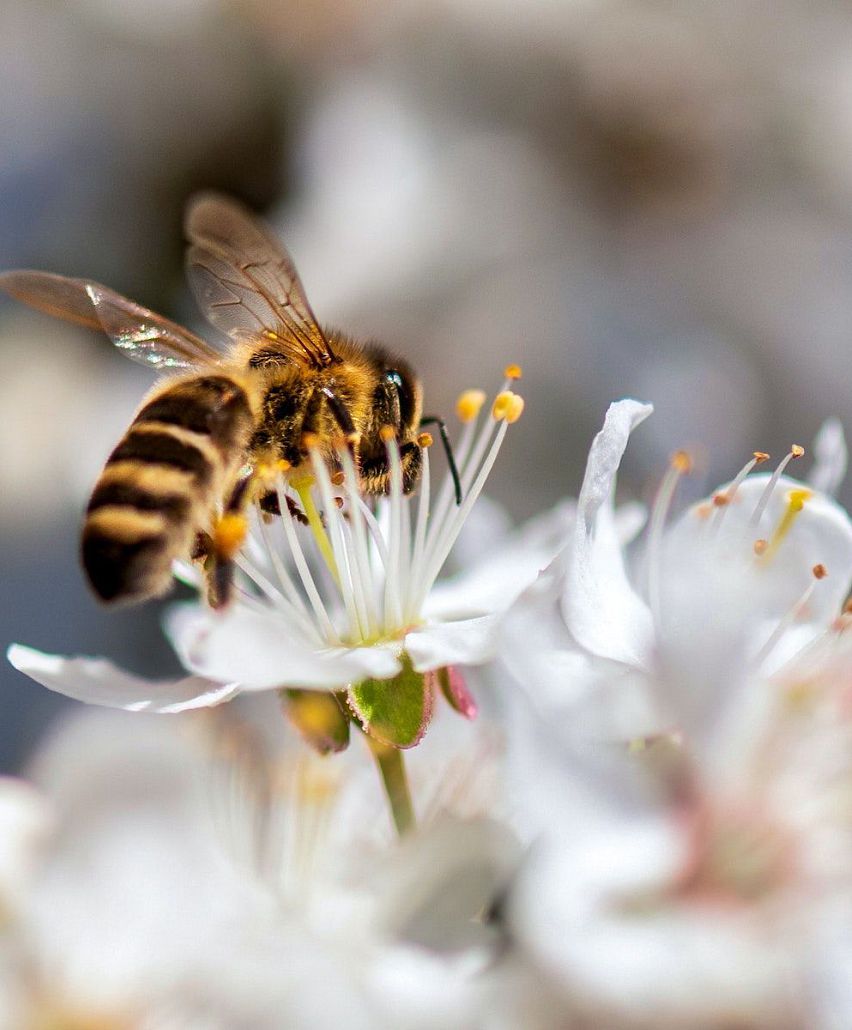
680,464
795,452
725,497
819,572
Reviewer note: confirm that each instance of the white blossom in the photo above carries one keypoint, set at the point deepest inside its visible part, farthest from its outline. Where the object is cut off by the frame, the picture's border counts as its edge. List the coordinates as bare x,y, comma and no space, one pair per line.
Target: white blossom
352,598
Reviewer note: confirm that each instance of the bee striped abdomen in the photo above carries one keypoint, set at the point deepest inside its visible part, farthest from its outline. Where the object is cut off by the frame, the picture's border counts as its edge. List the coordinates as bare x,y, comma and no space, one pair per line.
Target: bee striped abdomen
161,483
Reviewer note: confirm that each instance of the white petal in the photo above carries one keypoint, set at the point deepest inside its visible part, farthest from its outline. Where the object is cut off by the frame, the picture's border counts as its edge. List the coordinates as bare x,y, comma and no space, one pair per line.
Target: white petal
831,457
601,609
262,652
98,682
466,642
494,583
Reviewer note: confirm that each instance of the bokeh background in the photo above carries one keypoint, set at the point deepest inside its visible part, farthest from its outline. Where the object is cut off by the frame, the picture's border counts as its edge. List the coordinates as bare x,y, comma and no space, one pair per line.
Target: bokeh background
629,198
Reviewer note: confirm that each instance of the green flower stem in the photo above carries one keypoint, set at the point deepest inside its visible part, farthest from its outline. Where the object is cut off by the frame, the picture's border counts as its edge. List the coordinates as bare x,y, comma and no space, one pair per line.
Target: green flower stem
394,780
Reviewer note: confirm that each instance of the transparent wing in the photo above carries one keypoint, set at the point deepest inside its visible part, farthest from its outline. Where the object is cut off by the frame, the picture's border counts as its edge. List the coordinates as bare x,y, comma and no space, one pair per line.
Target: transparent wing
139,333
246,283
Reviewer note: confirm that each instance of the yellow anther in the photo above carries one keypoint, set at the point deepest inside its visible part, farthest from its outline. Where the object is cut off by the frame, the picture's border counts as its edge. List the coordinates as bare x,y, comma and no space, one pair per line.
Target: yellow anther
681,462
516,408
797,451
819,571
354,437
703,511
760,547
502,405
469,404
387,433
229,534
513,372
309,440
796,499
425,440
720,500
337,478
760,457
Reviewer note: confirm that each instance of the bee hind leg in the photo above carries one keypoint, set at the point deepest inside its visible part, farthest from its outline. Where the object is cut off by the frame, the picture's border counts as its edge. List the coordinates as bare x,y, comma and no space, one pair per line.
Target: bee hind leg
223,544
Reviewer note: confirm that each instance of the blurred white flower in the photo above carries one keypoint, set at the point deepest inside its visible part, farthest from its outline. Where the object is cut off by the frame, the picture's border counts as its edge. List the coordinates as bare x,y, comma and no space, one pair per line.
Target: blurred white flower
696,879
735,587
201,881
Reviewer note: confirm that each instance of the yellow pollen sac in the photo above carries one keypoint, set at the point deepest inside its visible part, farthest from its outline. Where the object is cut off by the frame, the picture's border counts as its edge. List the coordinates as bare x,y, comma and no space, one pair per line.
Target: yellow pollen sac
309,440
760,547
819,571
795,503
513,372
502,405
681,462
797,451
516,408
720,500
796,499
425,440
469,404
337,478
761,456
387,433
229,534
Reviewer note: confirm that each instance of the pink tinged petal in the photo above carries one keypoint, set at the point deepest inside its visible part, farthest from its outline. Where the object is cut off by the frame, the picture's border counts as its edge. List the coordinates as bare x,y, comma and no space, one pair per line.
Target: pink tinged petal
466,642
262,652
831,457
451,683
601,609
98,682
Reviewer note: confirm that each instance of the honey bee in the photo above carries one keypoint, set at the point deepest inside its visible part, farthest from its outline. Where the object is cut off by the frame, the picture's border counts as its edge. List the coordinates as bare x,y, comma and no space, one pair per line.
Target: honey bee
221,415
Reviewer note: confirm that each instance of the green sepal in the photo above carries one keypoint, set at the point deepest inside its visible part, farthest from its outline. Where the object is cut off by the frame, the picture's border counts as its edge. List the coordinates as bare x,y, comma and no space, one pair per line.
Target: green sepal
320,717
397,711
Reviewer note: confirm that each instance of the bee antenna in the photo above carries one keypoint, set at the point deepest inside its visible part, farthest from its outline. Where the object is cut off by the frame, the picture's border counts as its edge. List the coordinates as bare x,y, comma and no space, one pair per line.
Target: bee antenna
436,420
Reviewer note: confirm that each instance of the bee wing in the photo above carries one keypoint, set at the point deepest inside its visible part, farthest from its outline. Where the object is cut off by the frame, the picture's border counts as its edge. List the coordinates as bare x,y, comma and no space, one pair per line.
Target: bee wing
139,333
246,283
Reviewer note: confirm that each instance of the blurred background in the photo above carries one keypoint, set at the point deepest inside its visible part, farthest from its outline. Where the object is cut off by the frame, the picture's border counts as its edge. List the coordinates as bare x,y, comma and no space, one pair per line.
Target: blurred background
629,198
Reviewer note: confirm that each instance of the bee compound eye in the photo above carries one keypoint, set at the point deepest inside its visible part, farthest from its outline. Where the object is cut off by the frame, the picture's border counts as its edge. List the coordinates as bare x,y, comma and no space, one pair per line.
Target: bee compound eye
396,380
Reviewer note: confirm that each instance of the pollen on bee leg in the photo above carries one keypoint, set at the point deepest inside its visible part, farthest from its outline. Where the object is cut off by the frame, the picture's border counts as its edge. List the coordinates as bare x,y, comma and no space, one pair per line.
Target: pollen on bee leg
469,404
425,440
229,534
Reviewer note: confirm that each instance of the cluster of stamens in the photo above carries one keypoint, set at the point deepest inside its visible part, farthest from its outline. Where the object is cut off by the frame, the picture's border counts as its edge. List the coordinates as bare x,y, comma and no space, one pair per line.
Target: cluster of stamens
378,557
763,549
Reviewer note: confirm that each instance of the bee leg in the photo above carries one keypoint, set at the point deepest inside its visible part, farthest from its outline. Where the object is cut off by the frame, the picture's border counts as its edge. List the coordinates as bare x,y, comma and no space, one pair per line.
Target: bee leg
435,420
342,417
227,538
